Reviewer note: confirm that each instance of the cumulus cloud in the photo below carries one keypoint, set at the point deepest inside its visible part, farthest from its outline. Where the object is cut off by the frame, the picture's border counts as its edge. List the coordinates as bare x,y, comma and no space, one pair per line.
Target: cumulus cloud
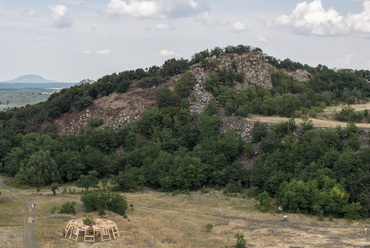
93,27
86,52
103,52
207,19
312,18
60,16
156,8
163,26
239,26
167,53
29,13
360,22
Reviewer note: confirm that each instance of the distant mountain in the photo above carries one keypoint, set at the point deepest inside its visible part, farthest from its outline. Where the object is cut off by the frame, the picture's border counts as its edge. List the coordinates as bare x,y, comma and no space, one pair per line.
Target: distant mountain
30,79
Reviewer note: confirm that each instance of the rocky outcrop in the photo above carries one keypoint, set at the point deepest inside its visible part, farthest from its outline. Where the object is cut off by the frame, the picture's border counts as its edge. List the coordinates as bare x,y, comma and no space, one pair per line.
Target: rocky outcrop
118,110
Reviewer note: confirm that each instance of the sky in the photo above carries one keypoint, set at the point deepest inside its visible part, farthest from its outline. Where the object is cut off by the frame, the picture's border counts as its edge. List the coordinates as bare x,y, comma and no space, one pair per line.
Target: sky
71,40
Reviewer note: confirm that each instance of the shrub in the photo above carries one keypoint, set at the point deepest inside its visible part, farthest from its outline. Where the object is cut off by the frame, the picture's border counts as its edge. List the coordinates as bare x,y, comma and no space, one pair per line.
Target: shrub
233,188
240,241
89,221
68,208
54,187
84,102
117,203
95,122
208,227
259,131
264,200
352,211
248,148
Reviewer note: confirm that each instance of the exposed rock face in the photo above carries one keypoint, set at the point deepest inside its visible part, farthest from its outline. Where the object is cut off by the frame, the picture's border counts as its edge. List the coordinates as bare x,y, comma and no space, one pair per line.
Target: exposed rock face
299,75
254,66
117,110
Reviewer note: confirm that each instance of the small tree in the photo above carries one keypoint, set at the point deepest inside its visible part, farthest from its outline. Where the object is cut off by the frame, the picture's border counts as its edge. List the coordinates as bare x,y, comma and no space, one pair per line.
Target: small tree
259,131
117,203
88,181
54,187
264,200
68,208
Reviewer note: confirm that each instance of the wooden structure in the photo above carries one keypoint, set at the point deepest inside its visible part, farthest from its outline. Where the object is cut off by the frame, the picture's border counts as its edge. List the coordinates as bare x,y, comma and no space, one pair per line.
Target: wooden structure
102,230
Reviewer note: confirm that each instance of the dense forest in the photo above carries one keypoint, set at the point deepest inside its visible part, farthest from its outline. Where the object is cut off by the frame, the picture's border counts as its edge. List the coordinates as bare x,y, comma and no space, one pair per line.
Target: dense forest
320,172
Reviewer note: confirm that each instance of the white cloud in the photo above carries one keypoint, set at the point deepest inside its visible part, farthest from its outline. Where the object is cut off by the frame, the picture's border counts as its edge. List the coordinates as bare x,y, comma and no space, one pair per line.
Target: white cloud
86,52
29,13
166,53
93,27
207,19
263,39
312,18
360,22
156,8
60,18
163,26
103,52
239,27
40,38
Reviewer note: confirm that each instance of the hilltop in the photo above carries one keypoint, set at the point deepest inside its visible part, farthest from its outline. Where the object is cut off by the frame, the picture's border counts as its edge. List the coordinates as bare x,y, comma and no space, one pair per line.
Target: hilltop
31,79
189,124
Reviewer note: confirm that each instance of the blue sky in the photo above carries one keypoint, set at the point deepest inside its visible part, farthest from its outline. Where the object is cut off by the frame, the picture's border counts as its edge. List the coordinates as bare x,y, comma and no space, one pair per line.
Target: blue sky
72,40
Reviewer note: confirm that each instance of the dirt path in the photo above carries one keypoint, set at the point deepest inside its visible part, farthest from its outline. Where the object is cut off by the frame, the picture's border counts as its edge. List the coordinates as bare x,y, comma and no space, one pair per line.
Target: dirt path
29,235
324,119
316,122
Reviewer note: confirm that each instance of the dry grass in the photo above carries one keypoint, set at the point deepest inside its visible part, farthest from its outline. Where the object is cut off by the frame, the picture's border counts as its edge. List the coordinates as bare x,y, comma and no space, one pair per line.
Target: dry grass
163,220
325,119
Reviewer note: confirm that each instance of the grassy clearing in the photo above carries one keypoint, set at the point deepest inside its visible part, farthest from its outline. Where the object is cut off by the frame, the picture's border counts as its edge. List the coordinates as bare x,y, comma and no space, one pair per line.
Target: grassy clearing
163,220
324,119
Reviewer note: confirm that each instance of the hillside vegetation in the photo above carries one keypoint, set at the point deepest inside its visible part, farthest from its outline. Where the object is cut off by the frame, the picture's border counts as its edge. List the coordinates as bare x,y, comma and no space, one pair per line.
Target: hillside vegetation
323,172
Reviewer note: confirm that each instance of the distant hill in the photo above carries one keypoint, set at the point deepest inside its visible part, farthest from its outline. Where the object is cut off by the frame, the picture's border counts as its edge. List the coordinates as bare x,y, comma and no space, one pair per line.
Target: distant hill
27,79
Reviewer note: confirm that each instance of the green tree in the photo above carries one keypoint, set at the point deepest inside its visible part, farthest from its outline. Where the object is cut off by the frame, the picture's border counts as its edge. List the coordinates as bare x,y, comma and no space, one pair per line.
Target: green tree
117,203
68,208
40,171
264,200
54,187
88,181
259,131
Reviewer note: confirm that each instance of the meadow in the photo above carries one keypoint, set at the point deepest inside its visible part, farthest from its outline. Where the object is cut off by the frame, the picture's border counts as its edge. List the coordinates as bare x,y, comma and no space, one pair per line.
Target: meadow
157,219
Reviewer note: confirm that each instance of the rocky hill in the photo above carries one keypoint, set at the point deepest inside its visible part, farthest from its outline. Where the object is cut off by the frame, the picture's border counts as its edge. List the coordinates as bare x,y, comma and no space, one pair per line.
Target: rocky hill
119,109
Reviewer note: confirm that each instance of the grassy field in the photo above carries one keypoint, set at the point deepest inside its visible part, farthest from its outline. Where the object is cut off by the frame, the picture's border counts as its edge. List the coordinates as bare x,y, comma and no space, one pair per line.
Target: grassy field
325,119
163,220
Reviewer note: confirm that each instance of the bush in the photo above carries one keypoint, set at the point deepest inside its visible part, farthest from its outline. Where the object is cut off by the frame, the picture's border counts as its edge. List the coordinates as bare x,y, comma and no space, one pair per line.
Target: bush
259,131
84,102
233,188
68,208
248,148
54,187
240,241
95,122
117,203
264,200
352,211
